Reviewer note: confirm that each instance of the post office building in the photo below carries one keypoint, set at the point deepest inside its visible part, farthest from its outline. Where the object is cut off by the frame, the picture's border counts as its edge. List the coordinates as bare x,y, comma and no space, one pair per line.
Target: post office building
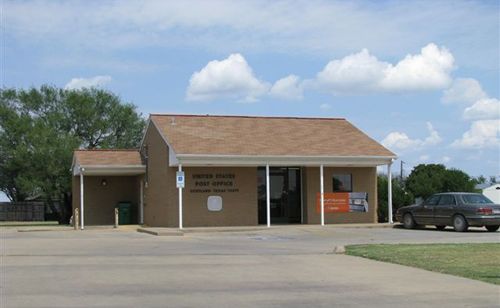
197,170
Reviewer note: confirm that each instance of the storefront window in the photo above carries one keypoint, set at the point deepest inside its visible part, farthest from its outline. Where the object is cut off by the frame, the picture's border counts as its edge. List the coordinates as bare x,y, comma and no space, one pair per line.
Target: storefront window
342,183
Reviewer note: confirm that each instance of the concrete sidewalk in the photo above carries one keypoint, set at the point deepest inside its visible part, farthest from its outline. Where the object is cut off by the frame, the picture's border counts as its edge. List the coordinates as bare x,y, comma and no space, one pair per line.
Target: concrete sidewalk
175,231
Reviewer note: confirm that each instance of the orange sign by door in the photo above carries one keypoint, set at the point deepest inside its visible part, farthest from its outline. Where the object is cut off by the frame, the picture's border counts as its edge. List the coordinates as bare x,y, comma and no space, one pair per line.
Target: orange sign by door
333,202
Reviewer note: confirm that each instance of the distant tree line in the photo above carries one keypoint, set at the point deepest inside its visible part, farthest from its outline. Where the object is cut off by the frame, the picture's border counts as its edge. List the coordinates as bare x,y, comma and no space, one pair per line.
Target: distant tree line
424,181
41,127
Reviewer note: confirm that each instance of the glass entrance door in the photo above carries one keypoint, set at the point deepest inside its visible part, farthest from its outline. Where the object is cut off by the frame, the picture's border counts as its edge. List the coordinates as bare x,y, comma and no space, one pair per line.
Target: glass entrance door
284,192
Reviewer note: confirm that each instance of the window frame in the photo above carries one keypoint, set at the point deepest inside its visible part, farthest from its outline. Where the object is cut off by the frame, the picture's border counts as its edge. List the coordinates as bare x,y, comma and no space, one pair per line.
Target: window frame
350,182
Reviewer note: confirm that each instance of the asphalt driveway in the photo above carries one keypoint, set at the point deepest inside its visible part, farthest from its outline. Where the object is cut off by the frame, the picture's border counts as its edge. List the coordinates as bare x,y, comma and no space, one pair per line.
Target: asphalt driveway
286,266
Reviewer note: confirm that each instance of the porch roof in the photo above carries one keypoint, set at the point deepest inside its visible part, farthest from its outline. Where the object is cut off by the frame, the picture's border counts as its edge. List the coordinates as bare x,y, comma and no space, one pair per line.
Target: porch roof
108,162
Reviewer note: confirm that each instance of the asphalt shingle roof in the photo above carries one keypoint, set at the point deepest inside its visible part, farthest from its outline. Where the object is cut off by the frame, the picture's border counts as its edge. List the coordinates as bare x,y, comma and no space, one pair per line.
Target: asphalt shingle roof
246,135
112,157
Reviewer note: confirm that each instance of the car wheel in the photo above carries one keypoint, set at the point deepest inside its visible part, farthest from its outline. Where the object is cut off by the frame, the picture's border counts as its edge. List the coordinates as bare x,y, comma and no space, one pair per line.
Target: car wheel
440,228
460,224
492,228
408,221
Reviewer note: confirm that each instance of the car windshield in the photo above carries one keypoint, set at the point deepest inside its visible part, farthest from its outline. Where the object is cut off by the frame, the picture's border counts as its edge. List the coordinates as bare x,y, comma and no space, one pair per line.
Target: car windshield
476,199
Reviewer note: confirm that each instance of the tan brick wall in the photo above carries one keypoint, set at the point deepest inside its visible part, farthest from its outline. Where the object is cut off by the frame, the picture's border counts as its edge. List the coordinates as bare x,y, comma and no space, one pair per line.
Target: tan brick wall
160,195
363,180
239,208
100,201
161,205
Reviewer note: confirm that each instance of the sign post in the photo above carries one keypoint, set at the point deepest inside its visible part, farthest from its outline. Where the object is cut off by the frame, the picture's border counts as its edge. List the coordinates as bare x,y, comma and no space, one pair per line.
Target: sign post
180,179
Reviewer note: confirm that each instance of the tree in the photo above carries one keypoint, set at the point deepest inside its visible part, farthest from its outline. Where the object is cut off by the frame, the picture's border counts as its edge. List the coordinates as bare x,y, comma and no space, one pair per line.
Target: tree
400,196
40,128
425,180
480,179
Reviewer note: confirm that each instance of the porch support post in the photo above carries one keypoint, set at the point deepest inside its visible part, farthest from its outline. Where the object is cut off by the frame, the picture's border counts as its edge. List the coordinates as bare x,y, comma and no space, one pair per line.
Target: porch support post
268,197
141,202
322,193
389,192
180,201
81,199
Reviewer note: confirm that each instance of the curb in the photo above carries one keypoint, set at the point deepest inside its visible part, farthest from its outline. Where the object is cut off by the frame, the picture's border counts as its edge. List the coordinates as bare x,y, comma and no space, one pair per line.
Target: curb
48,229
161,232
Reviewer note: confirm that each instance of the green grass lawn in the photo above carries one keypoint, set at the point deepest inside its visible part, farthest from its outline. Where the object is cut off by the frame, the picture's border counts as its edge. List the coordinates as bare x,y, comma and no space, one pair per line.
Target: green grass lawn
475,261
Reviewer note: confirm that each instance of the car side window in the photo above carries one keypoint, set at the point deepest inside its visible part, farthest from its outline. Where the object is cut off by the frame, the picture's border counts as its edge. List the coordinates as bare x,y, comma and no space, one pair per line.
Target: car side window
433,200
447,200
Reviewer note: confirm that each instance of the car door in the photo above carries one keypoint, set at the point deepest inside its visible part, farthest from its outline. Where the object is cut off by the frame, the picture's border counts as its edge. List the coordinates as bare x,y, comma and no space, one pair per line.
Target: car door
444,210
424,214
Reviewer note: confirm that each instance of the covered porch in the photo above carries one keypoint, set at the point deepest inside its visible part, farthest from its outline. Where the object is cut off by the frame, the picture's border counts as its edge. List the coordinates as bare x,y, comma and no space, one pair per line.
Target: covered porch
104,180
310,182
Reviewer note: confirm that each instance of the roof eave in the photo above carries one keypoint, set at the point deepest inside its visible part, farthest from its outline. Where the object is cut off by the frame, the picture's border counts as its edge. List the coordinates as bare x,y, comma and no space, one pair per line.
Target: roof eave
109,170
281,160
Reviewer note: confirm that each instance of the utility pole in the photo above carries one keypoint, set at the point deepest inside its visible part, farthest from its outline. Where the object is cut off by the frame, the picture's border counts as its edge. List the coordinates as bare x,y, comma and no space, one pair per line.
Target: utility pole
401,174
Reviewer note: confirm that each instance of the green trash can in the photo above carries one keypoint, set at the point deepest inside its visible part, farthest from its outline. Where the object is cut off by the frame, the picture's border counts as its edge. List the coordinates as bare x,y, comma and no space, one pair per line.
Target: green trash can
124,213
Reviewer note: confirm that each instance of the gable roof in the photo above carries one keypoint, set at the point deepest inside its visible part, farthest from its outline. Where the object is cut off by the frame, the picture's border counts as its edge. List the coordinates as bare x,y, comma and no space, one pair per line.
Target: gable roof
108,157
198,135
109,161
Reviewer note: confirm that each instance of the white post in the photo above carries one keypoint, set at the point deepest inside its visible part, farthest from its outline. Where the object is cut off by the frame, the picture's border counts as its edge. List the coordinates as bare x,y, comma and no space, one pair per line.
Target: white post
180,201
141,203
117,215
76,219
322,193
81,198
268,197
389,193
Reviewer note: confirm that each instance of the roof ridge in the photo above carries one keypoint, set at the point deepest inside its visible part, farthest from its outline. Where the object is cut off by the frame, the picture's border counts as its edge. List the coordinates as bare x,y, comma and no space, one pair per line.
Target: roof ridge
242,116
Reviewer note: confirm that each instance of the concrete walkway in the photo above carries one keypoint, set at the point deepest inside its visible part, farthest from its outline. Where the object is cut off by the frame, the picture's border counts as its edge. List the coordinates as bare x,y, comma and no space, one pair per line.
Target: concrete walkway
175,231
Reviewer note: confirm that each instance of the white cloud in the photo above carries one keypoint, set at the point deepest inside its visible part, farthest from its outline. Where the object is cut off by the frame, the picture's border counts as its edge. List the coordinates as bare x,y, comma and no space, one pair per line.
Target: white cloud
482,134
424,157
325,106
426,71
79,83
487,108
362,71
463,90
231,78
289,88
484,112
433,137
401,141
445,159
271,26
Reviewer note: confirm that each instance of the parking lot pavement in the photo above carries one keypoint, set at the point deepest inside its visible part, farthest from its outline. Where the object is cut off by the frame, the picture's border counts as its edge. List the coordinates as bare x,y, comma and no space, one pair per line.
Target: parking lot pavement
285,266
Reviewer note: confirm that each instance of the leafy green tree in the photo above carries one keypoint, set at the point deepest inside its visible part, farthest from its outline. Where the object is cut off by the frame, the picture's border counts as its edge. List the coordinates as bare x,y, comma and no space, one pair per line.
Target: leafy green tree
400,196
457,180
480,179
425,180
40,128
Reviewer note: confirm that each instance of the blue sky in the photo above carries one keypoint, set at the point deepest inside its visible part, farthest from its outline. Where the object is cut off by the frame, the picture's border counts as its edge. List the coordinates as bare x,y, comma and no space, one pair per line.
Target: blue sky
422,77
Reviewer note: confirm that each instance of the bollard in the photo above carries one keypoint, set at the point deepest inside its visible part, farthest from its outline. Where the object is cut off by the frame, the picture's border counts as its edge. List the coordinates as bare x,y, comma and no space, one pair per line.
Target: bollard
76,219
116,217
